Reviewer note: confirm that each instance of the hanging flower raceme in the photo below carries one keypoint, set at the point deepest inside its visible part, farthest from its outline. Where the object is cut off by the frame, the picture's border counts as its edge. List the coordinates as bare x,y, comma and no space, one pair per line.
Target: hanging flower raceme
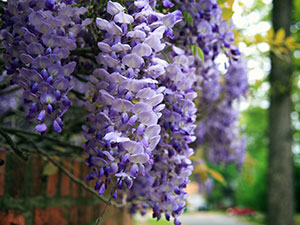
164,182
210,38
125,97
38,36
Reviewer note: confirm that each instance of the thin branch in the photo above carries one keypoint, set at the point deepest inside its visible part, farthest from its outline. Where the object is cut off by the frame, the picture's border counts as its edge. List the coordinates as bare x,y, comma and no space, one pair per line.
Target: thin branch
79,51
10,90
55,140
76,180
79,95
13,146
100,218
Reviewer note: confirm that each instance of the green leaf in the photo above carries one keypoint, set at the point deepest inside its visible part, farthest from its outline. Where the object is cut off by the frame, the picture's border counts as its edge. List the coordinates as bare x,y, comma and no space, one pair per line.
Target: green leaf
220,2
200,53
188,18
217,176
227,13
196,49
49,169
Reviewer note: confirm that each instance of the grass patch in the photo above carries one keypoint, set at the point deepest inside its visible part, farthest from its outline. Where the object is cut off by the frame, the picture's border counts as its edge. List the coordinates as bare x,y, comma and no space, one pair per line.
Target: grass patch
261,219
297,219
160,222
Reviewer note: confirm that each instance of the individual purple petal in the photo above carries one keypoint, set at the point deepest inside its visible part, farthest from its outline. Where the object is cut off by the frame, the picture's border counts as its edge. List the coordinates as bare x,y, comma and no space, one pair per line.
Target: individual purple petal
104,47
140,130
113,29
133,171
141,107
132,85
154,141
107,60
102,189
115,137
204,28
35,48
56,126
115,194
139,158
133,147
28,36
47,98
61,84
171,19
44,28
168,3
69,68
108,155
25,58
49,4
122,105
132,60
120,47
101,23
41,128
148,118
132,120
114,8
41,62
49,109
55,70
62,53
155,43
152,130
35,18
146,93
109,99
136,34
41,116
177,221
156,100
142,50
123,18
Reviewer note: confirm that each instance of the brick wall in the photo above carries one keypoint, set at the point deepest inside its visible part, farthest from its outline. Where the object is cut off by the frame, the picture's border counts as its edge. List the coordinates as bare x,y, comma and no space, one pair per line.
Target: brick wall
27,197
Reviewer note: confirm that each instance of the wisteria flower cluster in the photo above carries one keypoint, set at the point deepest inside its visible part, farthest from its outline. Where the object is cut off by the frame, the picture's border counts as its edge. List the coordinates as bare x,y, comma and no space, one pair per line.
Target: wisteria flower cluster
38,37
218,85
155,85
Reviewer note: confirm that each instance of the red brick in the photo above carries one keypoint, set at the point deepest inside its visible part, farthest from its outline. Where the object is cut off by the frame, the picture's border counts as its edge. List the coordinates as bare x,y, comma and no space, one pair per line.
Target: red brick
89,214
17,170
50,216
2,172
96,211
76,173
83,215
73,220
12,217
52,182
36,185
65,184
84,173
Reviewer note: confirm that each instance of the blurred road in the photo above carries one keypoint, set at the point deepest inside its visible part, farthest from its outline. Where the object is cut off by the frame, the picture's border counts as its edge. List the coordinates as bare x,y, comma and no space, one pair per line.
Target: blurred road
206,218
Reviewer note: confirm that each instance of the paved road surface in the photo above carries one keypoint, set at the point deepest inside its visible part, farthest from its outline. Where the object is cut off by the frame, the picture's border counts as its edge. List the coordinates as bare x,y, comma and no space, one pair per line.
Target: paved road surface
207,218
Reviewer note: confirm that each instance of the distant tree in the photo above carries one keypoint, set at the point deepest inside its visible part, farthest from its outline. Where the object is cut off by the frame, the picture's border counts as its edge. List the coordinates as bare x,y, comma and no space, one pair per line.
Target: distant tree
280,161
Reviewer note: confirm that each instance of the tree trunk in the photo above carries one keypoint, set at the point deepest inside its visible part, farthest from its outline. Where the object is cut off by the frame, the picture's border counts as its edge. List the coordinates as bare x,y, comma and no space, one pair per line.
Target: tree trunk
280,168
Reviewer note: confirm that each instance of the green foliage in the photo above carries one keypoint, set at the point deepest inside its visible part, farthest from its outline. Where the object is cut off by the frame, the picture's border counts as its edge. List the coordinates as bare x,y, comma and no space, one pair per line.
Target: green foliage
160,222
246,188
197,51
251,188
188,18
